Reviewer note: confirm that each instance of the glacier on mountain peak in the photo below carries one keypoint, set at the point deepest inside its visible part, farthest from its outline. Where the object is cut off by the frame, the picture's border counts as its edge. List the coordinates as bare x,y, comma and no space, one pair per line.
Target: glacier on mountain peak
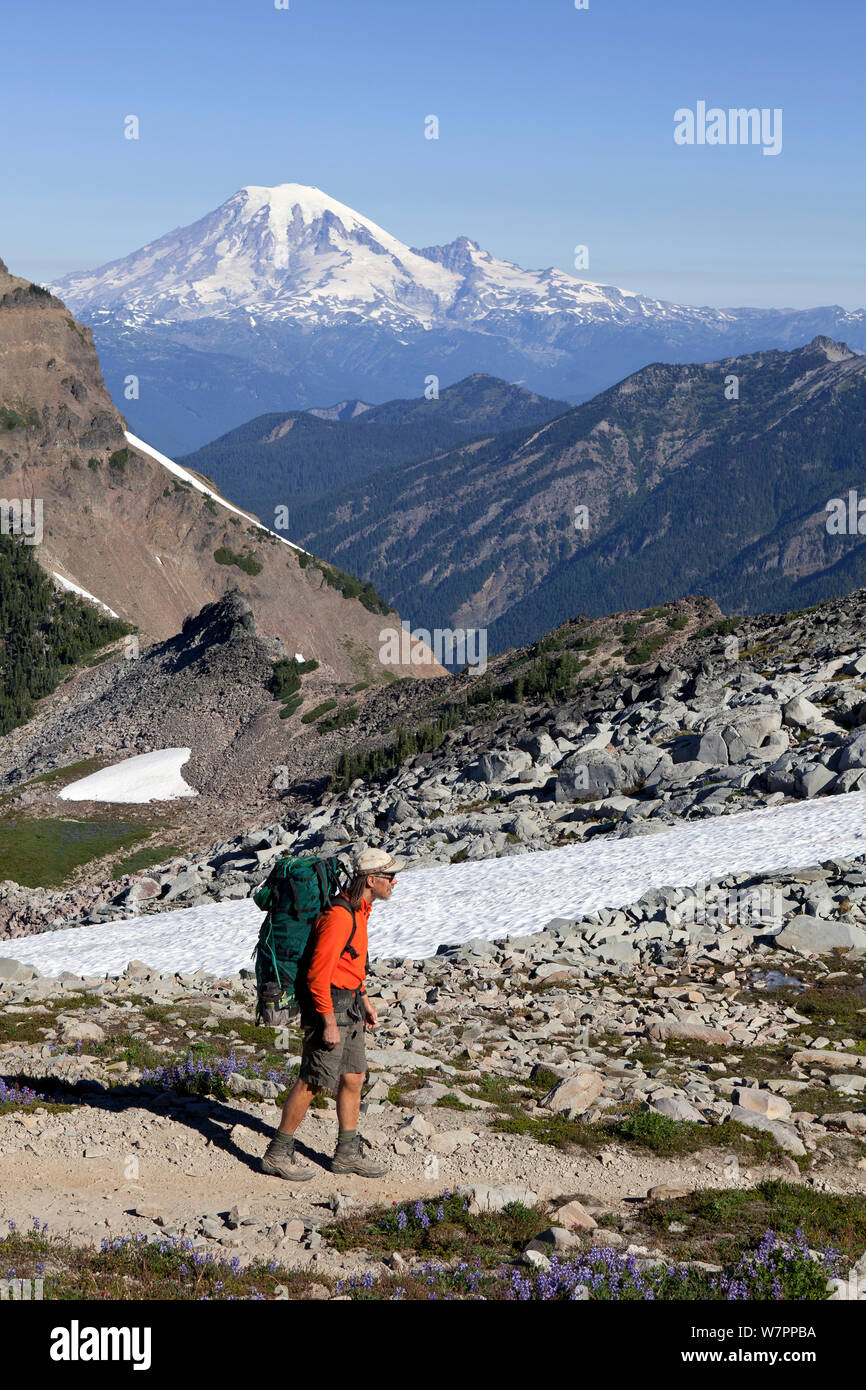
292,253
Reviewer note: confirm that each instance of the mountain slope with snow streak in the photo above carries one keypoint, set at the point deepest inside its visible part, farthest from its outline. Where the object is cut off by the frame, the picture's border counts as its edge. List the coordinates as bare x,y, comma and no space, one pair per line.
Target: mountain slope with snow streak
192,481
491,898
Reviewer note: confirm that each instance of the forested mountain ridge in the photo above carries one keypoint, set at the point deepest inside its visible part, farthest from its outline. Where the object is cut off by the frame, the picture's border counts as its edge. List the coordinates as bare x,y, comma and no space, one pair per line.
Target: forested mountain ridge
280,456
711,478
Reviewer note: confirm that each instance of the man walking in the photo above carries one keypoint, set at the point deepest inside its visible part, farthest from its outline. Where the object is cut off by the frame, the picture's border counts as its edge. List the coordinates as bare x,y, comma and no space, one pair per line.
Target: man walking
333,1059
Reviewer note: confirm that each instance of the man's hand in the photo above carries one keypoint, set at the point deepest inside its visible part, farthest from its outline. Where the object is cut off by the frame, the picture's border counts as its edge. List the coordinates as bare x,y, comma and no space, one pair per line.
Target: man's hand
371,1018
331,1031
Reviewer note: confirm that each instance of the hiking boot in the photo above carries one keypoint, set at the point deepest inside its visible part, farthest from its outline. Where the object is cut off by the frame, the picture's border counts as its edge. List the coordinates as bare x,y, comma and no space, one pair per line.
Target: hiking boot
279,1161
348,1159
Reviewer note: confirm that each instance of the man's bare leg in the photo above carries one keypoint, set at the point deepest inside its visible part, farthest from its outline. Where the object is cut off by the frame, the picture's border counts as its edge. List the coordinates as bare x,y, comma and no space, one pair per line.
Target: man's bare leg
349,1099
296,1105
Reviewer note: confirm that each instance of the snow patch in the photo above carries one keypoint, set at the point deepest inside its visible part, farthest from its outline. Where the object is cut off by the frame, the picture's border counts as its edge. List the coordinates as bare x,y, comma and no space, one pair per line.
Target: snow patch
147,777
489,898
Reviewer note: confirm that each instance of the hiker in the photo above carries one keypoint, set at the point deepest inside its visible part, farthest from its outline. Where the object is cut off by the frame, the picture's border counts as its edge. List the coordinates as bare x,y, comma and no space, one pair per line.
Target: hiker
335,1014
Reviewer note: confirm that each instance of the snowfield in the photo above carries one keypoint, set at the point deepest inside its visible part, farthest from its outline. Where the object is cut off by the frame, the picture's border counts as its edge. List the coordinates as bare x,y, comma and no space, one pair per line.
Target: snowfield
148,777
491,898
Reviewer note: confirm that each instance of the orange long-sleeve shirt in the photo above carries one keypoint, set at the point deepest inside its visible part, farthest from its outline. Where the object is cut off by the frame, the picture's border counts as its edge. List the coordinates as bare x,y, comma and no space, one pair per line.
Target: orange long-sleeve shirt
327,965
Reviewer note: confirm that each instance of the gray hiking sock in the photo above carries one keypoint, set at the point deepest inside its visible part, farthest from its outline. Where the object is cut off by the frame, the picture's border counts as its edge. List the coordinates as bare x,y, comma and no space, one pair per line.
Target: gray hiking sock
346,1136
280,1138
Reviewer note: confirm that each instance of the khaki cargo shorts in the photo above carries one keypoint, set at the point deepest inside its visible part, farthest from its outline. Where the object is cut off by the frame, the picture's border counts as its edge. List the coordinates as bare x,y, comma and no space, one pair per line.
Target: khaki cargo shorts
322,1066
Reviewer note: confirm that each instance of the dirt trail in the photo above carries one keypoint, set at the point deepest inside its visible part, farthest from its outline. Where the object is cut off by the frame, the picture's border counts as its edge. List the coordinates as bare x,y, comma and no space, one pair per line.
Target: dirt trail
178,1174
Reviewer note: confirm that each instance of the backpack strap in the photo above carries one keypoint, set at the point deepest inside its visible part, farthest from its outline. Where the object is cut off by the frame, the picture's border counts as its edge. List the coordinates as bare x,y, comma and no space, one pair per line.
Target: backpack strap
289,887
348,949
321,871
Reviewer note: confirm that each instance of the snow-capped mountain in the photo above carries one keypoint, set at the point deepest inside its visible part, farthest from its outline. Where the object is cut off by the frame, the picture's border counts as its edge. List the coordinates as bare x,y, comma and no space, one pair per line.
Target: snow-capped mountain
291,253
284,298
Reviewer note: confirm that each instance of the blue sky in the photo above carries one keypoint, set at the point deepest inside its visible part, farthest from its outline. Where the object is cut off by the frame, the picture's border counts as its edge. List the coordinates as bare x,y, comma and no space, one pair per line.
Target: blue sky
556,129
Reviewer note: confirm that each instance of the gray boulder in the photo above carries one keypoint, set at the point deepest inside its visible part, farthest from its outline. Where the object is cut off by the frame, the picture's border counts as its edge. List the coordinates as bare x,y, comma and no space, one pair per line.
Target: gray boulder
16,970
677,1108
587,777
810,781
238,1085
854,753
813,936
541,748
575,1094
73,1030
799,713
785,1135
484,1197
504,766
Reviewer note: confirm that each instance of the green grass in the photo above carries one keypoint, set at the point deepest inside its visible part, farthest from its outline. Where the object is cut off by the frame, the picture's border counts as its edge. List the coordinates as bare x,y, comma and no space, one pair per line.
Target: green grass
31,1027
11,1107
60,775
723,627
721,1222
842,1001
341,720
149,856
317,711
644,650
19,415
285,683
488,1237
224,556
135,1270
127,1047
42,854
640,1129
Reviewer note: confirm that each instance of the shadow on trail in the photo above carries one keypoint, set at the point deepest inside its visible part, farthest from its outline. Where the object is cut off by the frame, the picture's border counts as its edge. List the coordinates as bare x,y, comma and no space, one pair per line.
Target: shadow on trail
210,1116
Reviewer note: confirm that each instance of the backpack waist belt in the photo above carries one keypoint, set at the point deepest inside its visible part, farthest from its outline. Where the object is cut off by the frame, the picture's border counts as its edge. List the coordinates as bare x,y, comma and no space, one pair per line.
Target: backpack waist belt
347,1003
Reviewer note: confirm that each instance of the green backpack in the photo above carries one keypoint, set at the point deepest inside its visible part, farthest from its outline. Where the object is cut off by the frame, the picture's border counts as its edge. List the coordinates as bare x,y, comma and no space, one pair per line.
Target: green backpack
294,895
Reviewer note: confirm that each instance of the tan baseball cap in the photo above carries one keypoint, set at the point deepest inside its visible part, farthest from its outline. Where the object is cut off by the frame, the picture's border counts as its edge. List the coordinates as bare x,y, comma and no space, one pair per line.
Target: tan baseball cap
376,861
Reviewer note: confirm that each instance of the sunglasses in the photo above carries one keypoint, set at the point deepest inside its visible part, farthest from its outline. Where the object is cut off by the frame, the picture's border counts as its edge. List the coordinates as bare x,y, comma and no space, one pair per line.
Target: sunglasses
394,875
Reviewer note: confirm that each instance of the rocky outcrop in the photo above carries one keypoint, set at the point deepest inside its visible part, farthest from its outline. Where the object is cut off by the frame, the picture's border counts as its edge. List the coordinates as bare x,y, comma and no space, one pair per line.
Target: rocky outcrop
119,525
